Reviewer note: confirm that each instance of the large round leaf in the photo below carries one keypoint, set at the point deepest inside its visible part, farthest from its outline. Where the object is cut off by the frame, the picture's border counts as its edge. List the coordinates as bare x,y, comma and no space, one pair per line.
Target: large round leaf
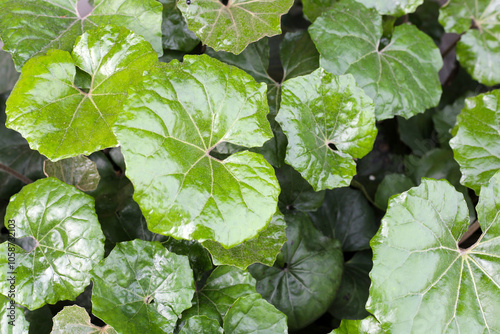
479,47
476,145
67,239
402,77
61,120
328,121
172,121
391,7
304,280
233,26
421,279
142,287
32,27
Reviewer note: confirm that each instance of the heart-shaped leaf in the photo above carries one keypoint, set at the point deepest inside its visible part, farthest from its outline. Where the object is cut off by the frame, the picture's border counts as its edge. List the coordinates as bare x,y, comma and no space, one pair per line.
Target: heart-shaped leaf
233,26
61,120
172,121
328,121
21,23
79,171
74,319
142,287
391,7
61,226
418,263
401,77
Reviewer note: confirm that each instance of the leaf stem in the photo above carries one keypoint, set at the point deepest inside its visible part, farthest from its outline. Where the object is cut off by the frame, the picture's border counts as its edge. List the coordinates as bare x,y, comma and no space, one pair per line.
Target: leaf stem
470,231
359,186
15,174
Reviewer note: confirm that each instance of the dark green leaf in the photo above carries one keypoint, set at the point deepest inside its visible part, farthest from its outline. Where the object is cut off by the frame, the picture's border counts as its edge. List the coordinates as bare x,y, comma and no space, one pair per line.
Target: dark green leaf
176,35
445,119
314,8
391,185
298,54
74,319
8,73
416,132
79,171
199,258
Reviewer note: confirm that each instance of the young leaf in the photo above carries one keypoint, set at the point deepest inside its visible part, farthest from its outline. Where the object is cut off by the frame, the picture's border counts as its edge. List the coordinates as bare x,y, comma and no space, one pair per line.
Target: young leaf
201,324
309,269
478,48
401,77
142,287
232,26
477,134
390,7
328,121
262,249
253,314
62,227
176,35
419,264
61,120
172,121
74,319
79,171
32,27
12,319
8,73
369,325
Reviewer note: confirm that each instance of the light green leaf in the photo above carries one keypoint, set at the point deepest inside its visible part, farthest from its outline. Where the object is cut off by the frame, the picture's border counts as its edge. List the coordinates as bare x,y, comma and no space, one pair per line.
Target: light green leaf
172,121
262,249
176,35
12,319
233,26
478,48
391,185
476,142
391,7
422,281
61,120
32,27
142,287
67,242
328,121
79,171
314,8
74,319
369,325
8,73
201,324
401,77
224,285
252,314
309,268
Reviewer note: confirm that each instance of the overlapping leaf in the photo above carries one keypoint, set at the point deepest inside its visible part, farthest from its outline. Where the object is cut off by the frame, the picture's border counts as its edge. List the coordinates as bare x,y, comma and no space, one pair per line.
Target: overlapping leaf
391,7
421,279
8,72
369,325
176,35
479,47
233,26
328,121
32,27
172,121
201,324
314,8
401,77
12,319
142,287
67,242
79,171
61,120
74,319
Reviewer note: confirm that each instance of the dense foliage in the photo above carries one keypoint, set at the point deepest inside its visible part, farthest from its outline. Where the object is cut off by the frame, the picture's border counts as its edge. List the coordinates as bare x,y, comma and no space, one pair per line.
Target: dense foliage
250,166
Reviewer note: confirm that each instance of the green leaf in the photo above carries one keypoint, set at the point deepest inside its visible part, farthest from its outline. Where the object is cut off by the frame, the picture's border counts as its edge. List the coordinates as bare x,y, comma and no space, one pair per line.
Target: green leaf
12,319
475,145
478,48
402,77
298,54
445,120
61,120
369,325
32,27
233,26
391,185
319,145
224,285
346,215
41,319
417,132
314,8
354,288
252,314
418,263
201,324
262,249
67,242
79,171
8,72
172,121
390,7
142,287
304,282
199,257
74,319
176,35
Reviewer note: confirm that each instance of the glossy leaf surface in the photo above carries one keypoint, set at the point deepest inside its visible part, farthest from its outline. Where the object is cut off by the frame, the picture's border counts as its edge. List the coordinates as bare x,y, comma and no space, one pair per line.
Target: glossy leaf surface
421,279
79,171
328,121
12,319
66,242
392,184
401,77
390,7
141,286
21,23
74,319
61,120
233,26
369,325
176,35
167,136
201,324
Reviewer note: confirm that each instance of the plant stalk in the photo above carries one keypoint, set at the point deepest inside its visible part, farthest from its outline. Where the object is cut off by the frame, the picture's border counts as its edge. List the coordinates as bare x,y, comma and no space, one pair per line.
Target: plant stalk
17,175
